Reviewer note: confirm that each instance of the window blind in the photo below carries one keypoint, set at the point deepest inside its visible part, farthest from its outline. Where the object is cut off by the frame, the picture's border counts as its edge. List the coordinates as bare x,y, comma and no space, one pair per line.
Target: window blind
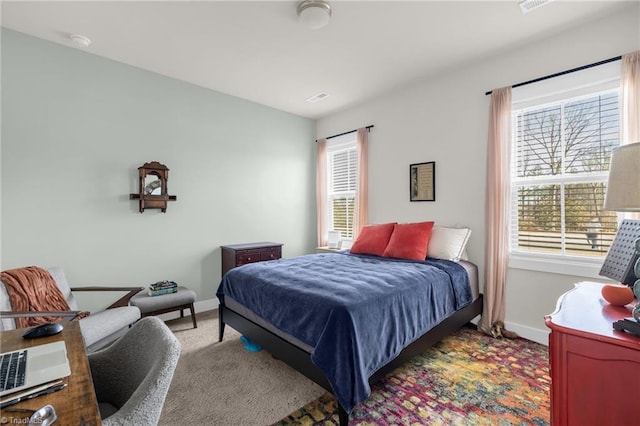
342,175
561,156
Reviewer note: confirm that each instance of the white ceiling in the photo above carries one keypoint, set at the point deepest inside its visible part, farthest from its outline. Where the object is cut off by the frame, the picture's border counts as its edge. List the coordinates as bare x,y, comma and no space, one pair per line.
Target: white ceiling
258,51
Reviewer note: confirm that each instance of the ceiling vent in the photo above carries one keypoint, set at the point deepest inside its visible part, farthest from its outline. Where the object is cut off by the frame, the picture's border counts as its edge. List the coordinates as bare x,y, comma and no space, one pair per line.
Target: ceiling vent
320,96
529,5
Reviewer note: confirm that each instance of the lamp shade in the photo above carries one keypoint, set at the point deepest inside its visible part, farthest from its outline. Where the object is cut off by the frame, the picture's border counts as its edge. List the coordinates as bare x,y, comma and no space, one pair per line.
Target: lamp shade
623,188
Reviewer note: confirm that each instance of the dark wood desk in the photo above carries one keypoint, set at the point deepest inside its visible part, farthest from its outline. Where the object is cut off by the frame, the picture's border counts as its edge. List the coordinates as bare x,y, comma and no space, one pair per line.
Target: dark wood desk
76,404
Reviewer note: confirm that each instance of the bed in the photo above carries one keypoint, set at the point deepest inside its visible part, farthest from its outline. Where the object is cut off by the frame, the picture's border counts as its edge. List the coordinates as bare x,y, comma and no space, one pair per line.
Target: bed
346,320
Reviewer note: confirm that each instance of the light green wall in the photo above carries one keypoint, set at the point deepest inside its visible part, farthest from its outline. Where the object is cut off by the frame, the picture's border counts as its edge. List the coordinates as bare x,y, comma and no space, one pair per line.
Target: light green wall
75,128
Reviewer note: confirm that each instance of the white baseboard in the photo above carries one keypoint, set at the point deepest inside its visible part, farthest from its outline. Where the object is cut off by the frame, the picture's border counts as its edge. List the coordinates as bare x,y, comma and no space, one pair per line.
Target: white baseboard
530,333
207,305
200,306
526,332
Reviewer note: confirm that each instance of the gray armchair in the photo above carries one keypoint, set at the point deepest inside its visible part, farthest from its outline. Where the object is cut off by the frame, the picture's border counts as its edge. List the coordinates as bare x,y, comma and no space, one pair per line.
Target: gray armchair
98,329
132,376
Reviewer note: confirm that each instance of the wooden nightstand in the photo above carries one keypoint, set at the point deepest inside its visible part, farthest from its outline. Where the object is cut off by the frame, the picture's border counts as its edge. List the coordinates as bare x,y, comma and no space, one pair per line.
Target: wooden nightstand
595,370
239,254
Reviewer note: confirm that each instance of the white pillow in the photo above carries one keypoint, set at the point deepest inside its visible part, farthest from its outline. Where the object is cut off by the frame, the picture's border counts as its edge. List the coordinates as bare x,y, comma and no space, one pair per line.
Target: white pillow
448,243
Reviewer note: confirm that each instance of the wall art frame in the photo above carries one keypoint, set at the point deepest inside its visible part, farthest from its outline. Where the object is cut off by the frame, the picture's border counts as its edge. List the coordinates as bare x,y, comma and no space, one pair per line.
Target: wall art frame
422,181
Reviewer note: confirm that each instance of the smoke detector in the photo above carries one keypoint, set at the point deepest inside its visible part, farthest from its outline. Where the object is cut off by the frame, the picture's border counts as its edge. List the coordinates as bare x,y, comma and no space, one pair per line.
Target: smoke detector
80,40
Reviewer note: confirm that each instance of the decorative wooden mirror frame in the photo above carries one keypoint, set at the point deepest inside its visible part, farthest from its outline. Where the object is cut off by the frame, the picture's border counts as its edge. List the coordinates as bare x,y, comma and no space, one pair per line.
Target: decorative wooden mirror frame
152,189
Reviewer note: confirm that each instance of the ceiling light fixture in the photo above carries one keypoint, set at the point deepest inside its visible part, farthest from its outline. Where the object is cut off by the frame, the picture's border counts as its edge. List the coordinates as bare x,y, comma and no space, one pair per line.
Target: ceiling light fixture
314,14
529,5
80,40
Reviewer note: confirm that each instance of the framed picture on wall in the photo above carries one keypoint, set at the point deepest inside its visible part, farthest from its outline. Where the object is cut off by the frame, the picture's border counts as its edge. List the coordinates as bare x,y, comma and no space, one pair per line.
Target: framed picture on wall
422,181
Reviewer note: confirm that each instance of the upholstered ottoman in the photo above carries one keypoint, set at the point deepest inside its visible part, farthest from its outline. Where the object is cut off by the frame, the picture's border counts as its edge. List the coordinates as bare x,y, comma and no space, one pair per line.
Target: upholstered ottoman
156,305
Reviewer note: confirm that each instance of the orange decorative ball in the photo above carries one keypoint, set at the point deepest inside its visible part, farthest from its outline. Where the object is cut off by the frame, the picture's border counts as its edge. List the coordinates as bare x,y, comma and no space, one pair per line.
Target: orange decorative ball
617,294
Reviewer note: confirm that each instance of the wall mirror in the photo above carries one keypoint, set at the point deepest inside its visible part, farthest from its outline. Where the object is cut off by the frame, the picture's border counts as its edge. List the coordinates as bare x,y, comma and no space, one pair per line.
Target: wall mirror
152,188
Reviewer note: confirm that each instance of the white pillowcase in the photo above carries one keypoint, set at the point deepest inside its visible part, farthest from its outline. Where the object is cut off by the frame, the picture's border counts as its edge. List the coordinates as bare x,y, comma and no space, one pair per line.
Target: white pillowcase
448,243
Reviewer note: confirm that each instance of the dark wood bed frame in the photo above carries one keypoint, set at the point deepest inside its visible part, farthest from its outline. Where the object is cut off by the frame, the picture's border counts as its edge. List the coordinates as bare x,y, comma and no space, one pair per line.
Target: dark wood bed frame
301,359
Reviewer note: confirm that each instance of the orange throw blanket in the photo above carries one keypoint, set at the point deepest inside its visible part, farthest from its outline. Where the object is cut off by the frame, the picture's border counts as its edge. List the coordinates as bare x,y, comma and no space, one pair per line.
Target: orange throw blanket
33,289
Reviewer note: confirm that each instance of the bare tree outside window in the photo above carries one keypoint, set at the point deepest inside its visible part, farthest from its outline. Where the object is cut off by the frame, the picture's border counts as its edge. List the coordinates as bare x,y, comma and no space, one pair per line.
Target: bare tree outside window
562,160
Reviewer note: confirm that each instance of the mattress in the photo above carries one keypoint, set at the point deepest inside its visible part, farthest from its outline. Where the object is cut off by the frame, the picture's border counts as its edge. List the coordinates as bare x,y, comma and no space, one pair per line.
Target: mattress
471,268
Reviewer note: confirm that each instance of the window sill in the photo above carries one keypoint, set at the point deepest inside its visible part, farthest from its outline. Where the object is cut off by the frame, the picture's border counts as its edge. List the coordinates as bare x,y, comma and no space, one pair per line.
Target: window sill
567,265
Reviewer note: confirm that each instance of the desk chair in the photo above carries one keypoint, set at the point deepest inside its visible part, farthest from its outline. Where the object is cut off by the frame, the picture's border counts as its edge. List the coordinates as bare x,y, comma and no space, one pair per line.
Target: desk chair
132,376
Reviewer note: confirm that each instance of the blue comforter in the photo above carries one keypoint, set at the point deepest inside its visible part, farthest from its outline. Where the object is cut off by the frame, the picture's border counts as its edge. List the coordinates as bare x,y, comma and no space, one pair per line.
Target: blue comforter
357,312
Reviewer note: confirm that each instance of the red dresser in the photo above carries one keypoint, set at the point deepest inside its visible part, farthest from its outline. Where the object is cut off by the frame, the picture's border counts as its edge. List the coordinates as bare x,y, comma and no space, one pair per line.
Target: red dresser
595,370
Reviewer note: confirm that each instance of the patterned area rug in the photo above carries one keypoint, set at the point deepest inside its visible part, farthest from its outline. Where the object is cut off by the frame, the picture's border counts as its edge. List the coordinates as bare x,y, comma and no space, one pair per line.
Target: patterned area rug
467,379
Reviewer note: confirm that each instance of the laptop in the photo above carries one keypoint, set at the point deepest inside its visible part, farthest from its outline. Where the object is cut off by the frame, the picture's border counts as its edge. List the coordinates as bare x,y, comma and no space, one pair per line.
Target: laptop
33,366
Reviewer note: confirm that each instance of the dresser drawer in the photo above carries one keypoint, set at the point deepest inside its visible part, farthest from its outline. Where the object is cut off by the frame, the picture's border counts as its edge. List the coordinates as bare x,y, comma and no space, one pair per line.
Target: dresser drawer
271,253
248,256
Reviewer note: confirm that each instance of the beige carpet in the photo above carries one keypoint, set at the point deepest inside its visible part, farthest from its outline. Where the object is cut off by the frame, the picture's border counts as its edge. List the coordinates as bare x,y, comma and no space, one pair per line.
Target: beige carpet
224,384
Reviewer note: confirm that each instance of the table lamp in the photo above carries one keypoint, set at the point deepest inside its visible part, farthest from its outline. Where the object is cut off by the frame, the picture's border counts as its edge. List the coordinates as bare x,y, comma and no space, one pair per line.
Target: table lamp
623,195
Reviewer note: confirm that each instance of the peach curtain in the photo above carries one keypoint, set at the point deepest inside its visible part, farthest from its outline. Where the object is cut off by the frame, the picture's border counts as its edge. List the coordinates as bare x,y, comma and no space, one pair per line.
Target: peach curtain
497,211
630,91
321,191
360,214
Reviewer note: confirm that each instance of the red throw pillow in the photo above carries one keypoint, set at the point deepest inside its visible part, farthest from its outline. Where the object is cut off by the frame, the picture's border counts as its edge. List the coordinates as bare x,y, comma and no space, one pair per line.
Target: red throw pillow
373,239
409,241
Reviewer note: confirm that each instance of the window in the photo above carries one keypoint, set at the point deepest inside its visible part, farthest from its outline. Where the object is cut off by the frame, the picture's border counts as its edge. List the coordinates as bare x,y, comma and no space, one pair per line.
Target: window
342,171
560,161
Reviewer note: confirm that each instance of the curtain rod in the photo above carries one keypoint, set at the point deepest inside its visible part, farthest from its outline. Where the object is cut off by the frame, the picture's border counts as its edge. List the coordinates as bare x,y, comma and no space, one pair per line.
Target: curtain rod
558,74
346,133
